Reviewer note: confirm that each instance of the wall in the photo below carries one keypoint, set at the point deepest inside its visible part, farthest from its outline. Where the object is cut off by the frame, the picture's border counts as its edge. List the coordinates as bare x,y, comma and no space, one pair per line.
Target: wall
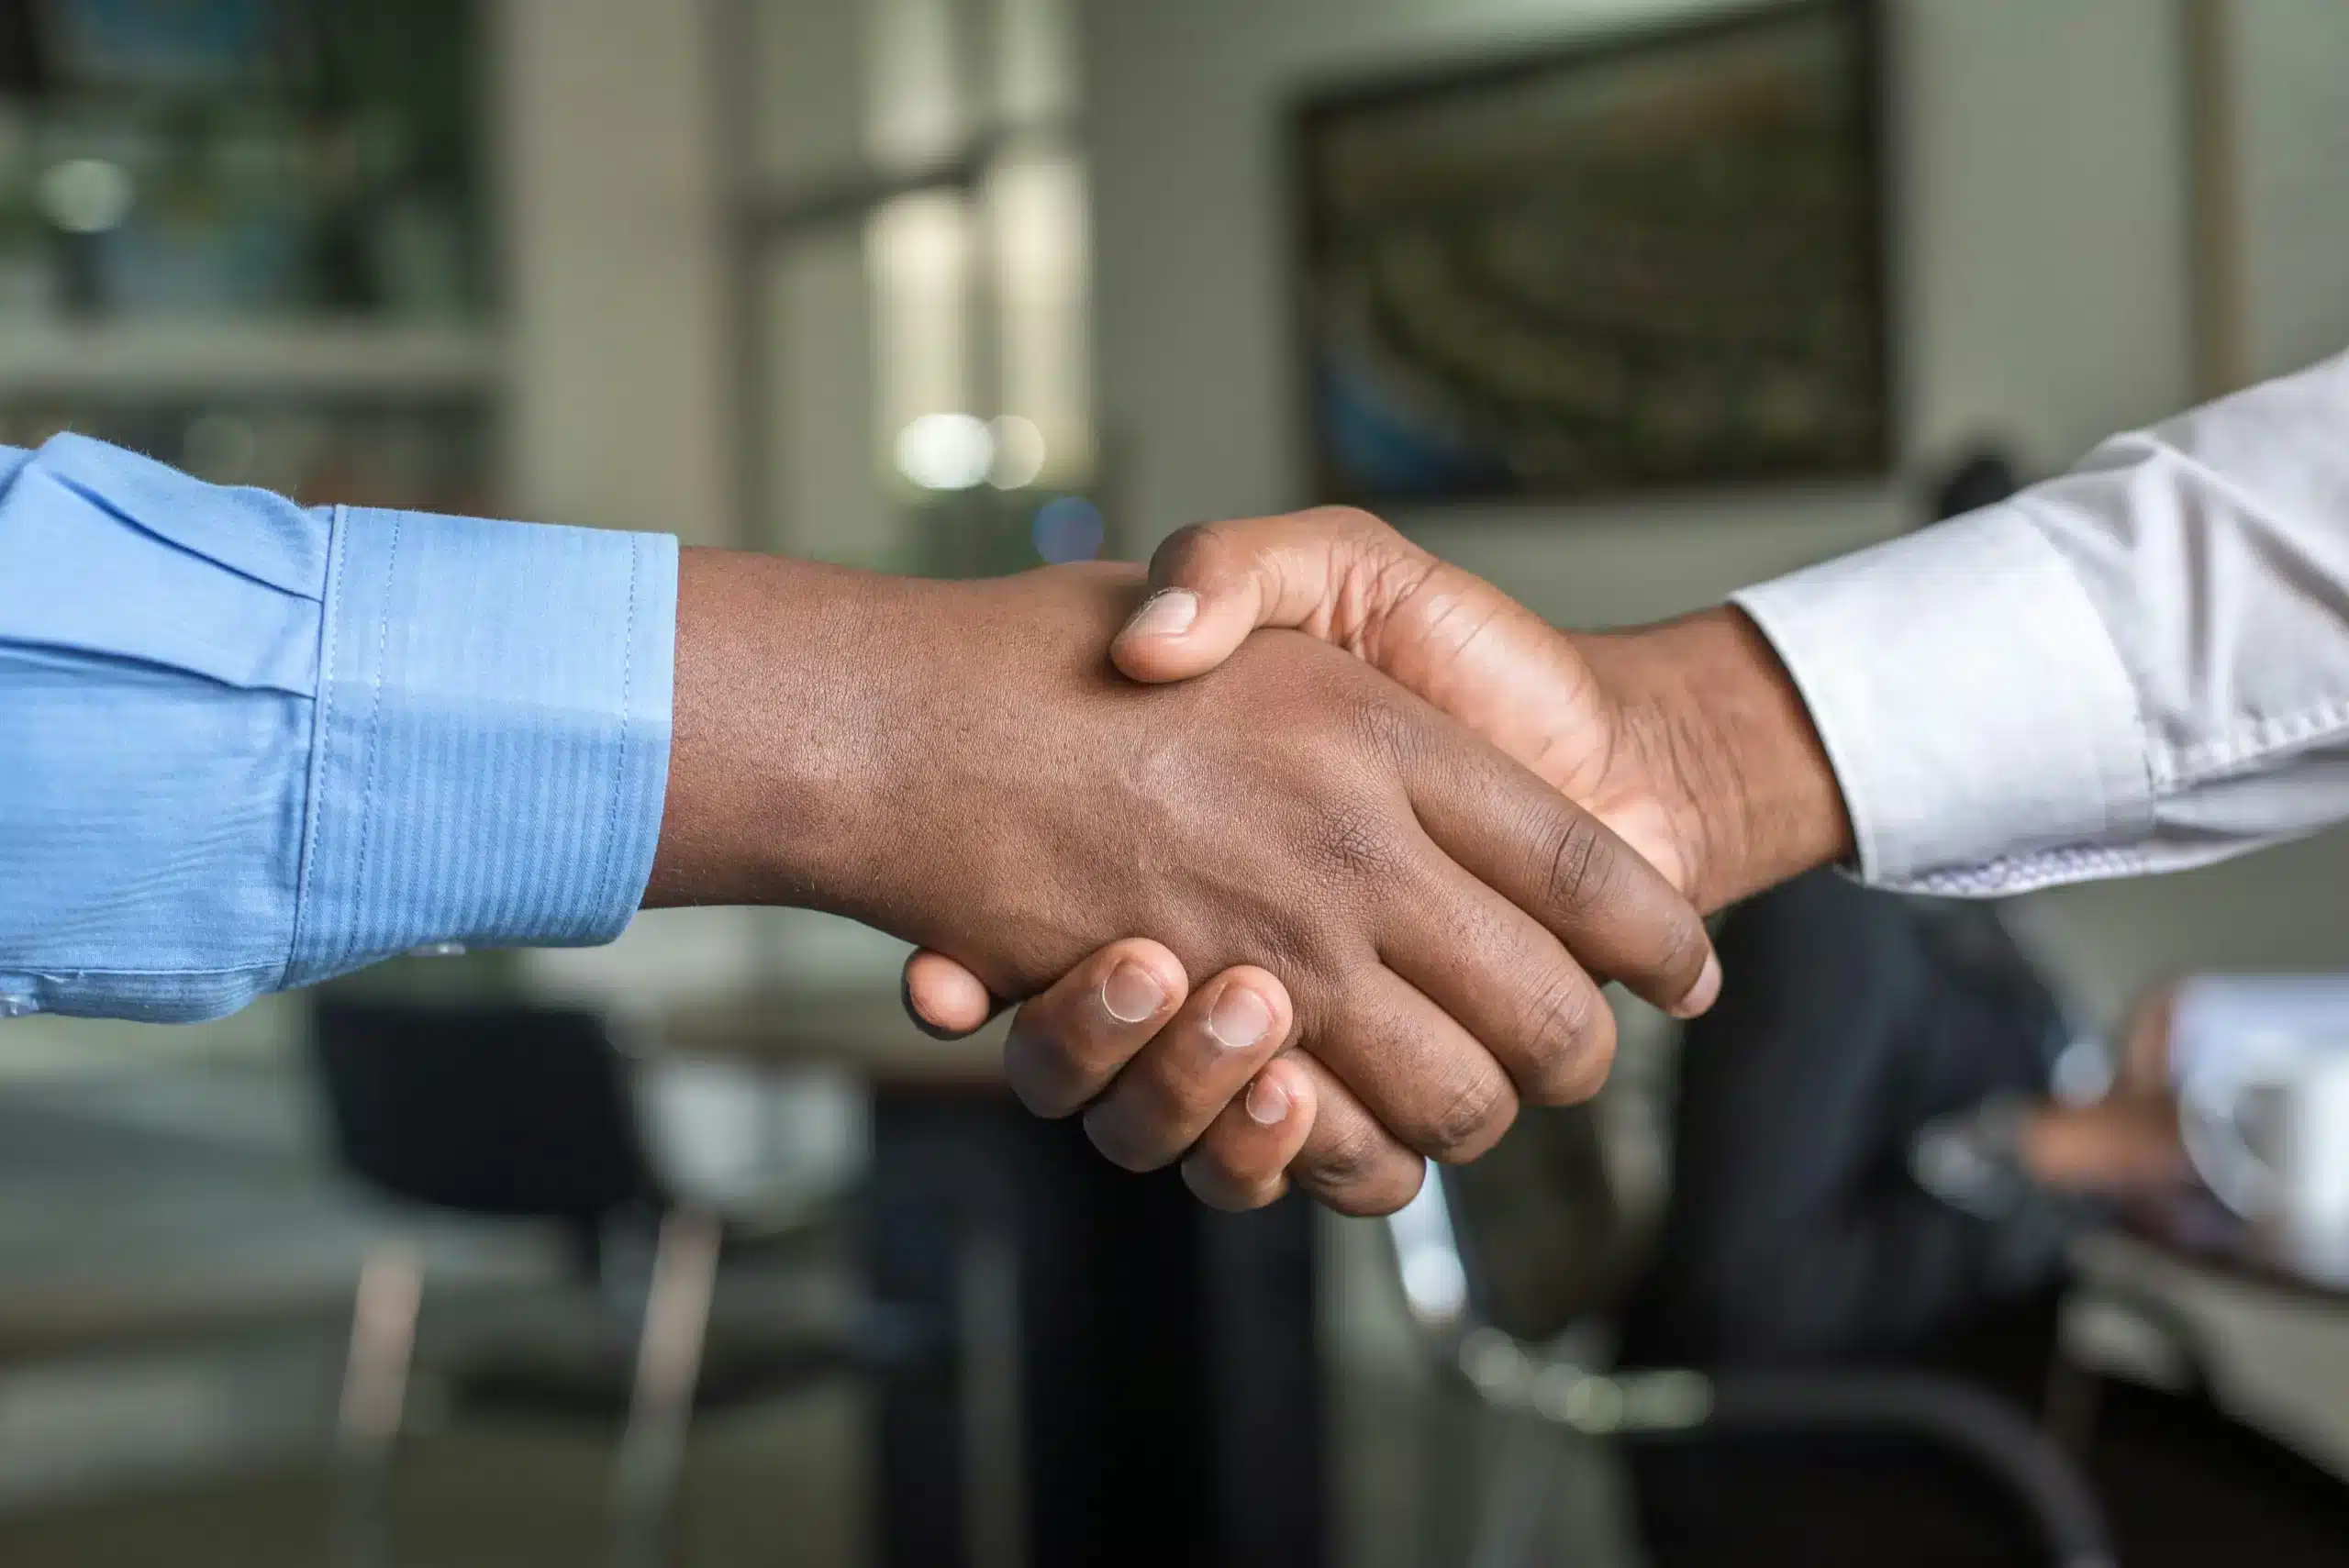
2042,293
2290,56
613,277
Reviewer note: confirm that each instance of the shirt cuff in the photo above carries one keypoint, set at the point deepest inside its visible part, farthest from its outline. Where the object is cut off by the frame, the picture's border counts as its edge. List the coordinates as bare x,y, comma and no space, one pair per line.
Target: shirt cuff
491,747
1980,722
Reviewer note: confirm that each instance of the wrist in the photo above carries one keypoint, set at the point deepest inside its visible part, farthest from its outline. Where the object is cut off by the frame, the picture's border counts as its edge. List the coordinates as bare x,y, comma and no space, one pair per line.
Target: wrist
776,719
1717,730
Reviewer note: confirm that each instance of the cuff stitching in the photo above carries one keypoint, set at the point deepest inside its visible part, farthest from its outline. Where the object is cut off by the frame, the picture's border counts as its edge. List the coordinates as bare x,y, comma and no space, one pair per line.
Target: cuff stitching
619,755
2255,742
321,732
375,719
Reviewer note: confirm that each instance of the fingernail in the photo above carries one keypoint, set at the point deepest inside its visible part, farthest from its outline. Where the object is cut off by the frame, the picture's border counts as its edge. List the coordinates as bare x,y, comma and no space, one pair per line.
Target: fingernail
1701,995
1166,613
1239,1019
1267,1102
1131,993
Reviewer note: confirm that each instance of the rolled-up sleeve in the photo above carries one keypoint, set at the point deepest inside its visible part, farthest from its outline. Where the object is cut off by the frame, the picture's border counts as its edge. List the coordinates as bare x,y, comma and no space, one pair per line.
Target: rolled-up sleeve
246,745
2140,666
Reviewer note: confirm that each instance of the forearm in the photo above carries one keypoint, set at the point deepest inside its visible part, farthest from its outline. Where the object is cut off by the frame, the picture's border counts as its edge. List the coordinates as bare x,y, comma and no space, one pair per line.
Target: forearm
1713,717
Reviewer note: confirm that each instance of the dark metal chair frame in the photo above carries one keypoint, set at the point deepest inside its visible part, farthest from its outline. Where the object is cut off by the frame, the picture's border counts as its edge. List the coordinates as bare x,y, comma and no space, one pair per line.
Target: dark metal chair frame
1454,1303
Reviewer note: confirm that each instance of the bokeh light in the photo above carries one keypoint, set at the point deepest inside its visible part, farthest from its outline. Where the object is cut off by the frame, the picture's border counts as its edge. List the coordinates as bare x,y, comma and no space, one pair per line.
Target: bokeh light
946,452
86,195
1069,528
1018,452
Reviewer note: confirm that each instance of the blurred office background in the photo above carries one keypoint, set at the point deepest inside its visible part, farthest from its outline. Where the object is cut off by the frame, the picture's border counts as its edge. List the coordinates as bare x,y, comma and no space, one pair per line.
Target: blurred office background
959,286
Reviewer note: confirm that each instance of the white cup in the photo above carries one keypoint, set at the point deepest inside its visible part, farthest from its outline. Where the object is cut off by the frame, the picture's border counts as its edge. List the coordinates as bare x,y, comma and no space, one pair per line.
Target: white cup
2267,1124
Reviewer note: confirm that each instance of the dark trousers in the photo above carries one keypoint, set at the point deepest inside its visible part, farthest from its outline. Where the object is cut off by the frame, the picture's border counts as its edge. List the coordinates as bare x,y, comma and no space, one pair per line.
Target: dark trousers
1848,1020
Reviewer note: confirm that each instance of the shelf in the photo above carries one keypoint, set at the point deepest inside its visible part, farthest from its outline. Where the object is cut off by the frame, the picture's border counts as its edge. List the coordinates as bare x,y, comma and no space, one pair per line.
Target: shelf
124,362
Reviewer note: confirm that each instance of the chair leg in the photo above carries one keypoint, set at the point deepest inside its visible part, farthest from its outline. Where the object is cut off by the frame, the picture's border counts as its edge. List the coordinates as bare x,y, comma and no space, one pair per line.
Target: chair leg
668,1366
374,1392
1519,1476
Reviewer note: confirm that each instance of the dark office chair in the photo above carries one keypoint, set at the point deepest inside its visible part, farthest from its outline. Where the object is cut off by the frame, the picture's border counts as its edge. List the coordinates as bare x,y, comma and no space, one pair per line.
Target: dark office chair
1503,1261
508,1112
528,1113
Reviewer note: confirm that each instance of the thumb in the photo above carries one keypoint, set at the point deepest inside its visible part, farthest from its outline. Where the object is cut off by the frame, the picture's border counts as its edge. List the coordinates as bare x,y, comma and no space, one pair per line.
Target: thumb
1212,584
1205,599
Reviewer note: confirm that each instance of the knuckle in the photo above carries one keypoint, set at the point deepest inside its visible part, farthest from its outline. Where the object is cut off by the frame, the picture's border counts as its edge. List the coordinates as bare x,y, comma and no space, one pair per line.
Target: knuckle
1344,518
1358,841
1186,550
1037,1095
1179,1106
1347,1158
1582,871
1683,951
1121,1140
1471,1119
1094,1060
1218,1188
1399,570
1380,1192
1314,947
1382,727
1573,1039
1227,1153
1040,1075
1228,1174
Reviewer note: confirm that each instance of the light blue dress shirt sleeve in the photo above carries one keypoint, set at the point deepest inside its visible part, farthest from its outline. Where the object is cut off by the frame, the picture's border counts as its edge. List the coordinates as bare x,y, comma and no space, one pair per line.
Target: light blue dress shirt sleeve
246,745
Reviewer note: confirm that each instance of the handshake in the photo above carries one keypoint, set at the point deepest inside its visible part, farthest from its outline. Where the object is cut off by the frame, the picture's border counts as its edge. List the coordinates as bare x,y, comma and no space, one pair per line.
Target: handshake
1404,829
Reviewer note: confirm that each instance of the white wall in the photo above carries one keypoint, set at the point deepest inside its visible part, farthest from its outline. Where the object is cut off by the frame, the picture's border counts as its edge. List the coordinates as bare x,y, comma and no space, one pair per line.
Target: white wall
614,270
2292,57
2043,296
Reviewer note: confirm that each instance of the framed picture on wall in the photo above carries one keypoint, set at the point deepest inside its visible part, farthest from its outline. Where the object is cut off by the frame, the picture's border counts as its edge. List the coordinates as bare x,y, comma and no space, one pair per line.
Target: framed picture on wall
1653,262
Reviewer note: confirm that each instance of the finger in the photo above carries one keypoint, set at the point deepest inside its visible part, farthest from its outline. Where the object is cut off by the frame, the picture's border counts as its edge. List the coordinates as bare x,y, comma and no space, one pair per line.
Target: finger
1242,1159
1201,1060
1349,1161
2112,1146
1067,1043
2144,1065
1215,582
1616,913
1432,1086
1523,997
946,1000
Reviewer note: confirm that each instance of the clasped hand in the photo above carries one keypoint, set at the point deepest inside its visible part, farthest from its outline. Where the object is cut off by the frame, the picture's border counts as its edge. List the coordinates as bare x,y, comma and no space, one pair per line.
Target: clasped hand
1435,830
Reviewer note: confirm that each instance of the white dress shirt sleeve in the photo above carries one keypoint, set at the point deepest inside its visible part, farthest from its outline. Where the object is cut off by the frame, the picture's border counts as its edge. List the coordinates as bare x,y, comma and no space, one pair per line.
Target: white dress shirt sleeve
2141,666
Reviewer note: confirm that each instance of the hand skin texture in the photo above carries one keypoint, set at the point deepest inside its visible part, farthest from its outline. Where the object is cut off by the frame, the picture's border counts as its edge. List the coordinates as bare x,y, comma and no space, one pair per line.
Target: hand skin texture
959,764
1687,738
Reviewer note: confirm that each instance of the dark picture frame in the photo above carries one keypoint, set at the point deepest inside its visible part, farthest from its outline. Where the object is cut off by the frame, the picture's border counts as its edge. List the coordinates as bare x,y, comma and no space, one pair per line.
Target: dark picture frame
1653,262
